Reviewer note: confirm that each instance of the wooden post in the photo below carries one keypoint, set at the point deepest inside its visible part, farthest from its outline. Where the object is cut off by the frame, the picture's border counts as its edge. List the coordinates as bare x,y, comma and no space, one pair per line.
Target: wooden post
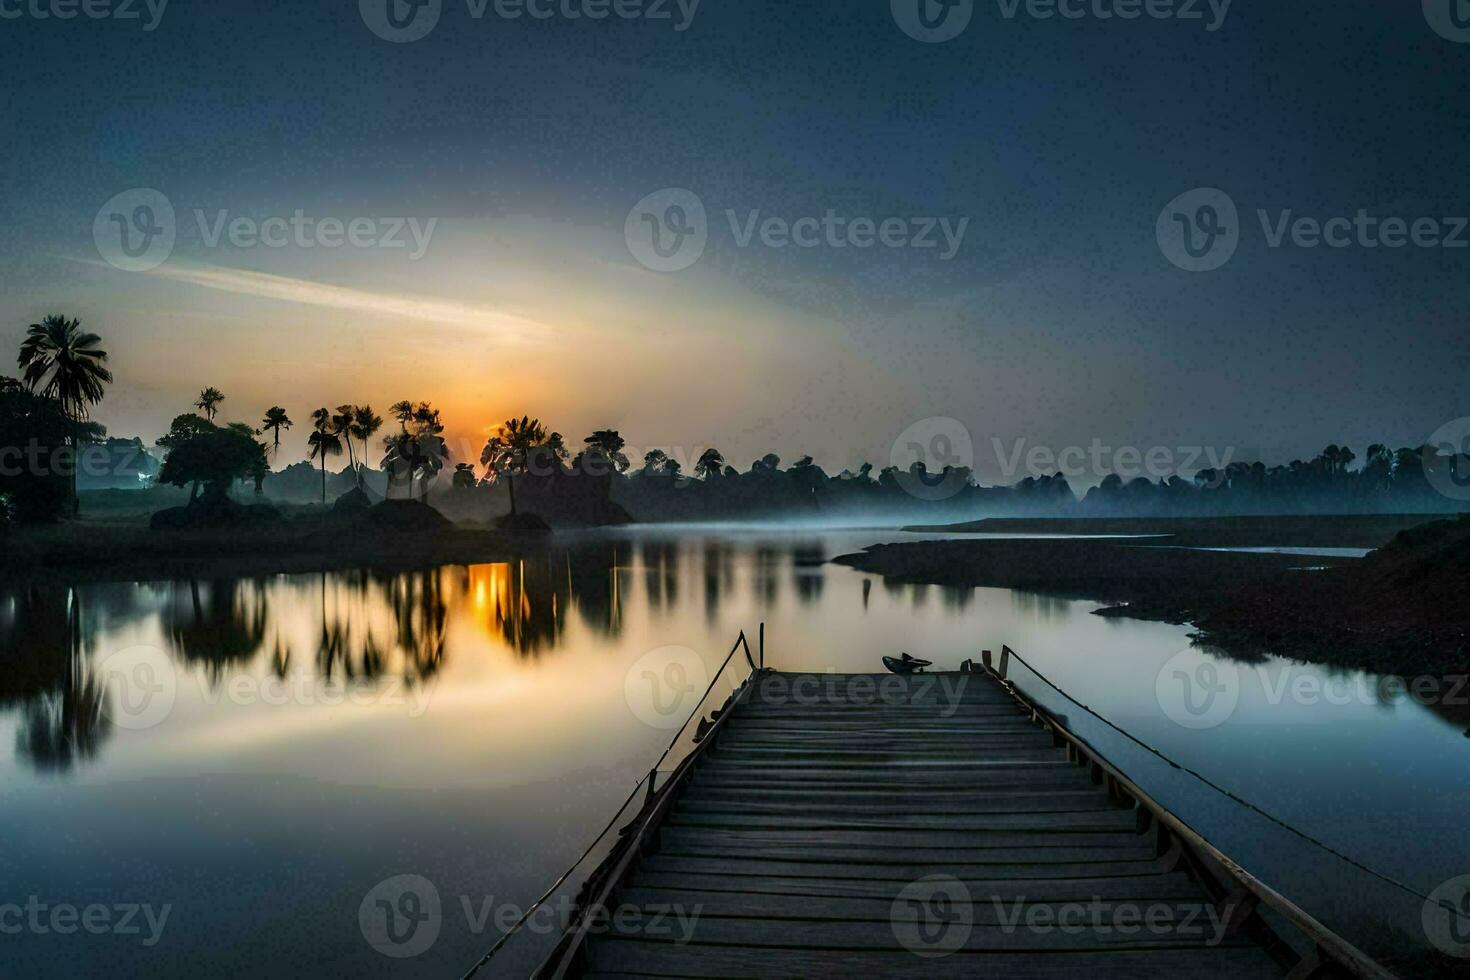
1005,660
762,645
985,658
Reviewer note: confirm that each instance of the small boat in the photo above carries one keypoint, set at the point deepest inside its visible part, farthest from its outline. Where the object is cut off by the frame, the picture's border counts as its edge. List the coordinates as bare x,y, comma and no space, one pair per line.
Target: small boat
906,664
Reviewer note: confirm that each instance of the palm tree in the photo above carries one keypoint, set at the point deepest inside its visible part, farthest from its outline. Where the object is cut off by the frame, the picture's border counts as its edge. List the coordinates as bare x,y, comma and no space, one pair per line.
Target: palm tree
342,426
275,420
403,412
324,442
208,402
365,425
709,464
510,449
62,362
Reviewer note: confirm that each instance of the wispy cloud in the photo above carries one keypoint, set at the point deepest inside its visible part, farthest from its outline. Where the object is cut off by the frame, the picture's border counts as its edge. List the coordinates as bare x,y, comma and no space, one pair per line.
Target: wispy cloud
506,326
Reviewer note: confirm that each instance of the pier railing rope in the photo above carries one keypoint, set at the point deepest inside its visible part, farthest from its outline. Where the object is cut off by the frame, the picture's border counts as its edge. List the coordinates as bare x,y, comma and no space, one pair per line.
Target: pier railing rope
649,778
1241,801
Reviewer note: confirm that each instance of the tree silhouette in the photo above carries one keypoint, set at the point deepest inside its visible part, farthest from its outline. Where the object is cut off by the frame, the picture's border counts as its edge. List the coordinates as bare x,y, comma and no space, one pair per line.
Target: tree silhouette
365,425
418,451
605,446
323,442
62,362
208,402
709,464
275,420
342,422
513,447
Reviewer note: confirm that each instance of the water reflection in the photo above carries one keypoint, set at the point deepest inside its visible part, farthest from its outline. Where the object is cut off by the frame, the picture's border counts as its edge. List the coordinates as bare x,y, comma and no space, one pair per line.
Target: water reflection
527,738
359,627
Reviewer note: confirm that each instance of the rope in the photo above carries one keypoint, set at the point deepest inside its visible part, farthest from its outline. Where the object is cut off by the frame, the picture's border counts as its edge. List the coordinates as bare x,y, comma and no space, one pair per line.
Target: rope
652,774
1242,802
558,883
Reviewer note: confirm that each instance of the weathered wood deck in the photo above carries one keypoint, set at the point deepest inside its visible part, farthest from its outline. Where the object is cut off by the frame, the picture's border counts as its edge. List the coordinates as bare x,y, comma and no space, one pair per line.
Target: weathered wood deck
933,825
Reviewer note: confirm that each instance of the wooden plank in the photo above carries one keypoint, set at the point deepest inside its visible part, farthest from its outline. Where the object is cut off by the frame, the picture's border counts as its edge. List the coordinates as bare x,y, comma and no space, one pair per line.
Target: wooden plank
885,839
1106,820
1113,888
646,959
893,872
1039,775
1053,801
984,909
758,933
909,855
906,798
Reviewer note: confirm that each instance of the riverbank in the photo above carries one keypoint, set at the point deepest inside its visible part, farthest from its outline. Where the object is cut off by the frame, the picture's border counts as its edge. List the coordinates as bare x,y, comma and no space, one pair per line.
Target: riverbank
1295,531
1403,609
127,549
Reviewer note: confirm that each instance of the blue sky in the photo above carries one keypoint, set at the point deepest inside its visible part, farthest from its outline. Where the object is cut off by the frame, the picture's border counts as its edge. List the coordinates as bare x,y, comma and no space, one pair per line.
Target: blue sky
527,142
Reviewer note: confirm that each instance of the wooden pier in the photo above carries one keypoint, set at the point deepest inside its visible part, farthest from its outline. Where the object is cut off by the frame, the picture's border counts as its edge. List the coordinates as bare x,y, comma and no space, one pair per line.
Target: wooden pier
928,825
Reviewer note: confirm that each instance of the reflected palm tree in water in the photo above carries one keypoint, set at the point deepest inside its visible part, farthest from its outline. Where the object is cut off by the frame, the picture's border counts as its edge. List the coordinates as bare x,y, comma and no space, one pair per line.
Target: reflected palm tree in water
42,633
660,573
66,725
523,603
220,625
351,646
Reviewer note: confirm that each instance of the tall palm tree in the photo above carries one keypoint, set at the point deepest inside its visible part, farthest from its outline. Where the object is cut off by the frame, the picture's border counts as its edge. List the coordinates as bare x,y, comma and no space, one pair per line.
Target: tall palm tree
208,402
342,426
509,450
61,361
710,463
324,442
403,412
275,420
365,425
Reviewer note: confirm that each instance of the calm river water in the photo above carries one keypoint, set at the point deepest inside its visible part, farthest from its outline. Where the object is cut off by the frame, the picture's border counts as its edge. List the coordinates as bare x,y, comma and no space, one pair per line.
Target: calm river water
211,777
